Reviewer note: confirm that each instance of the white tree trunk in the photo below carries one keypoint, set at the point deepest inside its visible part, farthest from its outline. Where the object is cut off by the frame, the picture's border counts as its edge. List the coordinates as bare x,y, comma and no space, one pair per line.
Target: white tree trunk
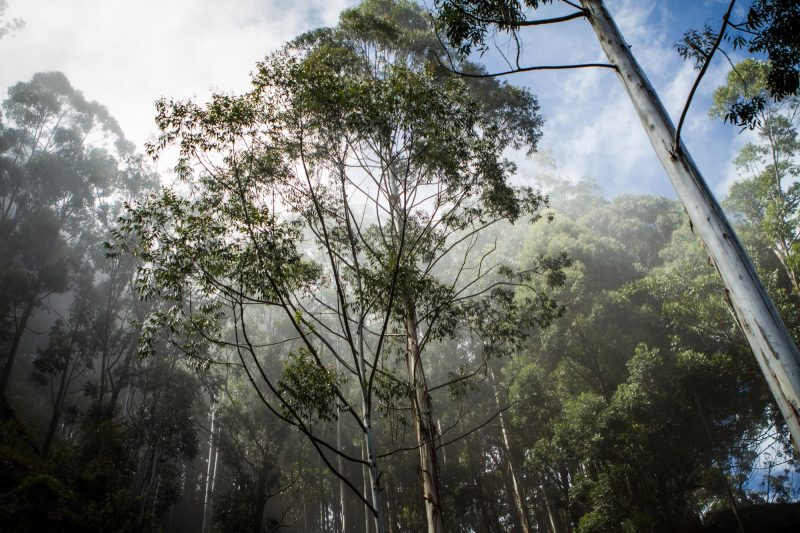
342,510
771,343
208,473
519,499
424,426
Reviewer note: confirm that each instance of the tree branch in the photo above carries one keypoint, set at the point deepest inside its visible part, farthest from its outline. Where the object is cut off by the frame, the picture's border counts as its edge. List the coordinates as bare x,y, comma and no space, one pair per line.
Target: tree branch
702,73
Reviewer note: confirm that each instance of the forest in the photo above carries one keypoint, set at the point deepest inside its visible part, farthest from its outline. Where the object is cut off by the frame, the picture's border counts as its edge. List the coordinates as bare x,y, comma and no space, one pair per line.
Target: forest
347,309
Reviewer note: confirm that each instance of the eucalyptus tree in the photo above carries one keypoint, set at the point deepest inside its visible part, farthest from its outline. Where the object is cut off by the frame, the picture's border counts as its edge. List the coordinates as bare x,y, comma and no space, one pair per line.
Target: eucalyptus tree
770,27
639,406
66,358
58,154
352,140
766,200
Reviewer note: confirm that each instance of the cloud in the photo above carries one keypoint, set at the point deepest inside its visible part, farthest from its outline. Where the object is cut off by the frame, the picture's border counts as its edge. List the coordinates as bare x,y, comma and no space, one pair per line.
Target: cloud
127,53
592,129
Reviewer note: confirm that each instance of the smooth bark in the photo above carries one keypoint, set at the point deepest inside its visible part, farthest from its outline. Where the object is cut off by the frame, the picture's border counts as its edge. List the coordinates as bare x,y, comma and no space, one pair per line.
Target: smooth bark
424,426
519,498
772,345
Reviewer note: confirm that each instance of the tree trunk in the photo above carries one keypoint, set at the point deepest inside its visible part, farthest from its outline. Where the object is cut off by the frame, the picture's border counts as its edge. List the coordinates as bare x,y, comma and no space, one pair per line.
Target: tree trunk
145,496
206,494
365,488
424,426
342,512
519,498
120,383
548,508
772,345
51,428
369,450
366,400
5,376
391,505
210,519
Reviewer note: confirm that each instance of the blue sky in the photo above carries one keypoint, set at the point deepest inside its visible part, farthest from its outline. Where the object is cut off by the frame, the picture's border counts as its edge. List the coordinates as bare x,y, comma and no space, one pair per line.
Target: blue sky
127,53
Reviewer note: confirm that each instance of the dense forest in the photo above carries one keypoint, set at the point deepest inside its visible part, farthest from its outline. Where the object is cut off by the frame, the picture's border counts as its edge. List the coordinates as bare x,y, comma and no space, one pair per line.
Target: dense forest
343,313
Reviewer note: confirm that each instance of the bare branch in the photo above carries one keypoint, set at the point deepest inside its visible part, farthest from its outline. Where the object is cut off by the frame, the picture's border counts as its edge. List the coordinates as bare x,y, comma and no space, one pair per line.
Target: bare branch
700,75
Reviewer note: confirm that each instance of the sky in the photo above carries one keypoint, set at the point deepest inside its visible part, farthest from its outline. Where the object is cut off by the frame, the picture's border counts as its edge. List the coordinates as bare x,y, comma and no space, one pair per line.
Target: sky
127,53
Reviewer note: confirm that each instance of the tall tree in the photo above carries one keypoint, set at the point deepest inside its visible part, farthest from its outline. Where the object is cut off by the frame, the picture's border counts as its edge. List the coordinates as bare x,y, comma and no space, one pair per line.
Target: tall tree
766,201
468,23
57,155
351,139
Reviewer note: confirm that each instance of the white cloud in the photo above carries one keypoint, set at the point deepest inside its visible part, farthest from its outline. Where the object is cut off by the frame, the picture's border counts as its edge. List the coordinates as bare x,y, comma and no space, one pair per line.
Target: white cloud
591,126
127,53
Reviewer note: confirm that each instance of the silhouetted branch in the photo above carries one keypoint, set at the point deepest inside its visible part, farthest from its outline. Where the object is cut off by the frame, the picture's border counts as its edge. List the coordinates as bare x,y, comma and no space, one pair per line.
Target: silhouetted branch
702,73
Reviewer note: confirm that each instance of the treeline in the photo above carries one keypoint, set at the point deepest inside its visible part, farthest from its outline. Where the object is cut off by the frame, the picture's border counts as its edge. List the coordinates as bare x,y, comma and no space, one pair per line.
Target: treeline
343,317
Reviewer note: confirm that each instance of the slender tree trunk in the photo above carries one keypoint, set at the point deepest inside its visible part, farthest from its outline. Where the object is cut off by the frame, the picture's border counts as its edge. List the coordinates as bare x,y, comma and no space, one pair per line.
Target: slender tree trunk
369,450
119,384
364,380
550,516
771,343
51,428
365,488
260,504
391,503
153,467
420,401
210,519
424,426
342,512
208,473
5,376
519,497
154,516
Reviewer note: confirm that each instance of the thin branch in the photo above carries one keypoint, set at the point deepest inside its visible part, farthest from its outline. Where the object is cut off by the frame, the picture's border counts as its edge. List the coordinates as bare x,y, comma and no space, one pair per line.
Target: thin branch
476,428
702,73
554,20
529,69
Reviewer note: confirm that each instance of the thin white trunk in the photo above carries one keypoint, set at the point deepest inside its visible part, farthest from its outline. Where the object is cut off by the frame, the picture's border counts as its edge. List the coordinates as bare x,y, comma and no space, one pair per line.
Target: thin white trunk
369,441
519,500
342,512
420,402
424,426
549,509
208,473
210,519
771,343
365,489
366,401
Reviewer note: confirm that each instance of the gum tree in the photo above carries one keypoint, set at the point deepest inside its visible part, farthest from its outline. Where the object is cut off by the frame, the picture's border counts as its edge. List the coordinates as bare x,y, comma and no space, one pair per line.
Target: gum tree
59,154
332,193
771,28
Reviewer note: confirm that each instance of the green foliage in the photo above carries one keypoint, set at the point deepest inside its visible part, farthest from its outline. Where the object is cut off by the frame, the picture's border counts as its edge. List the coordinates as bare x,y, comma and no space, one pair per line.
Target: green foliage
467,23
775,25
617,398
309,388
766,201
770,29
